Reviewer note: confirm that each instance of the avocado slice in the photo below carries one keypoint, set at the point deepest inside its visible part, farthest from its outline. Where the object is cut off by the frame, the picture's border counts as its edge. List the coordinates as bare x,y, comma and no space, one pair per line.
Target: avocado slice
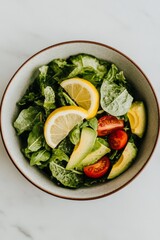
81,150
127,157
137,118
98,151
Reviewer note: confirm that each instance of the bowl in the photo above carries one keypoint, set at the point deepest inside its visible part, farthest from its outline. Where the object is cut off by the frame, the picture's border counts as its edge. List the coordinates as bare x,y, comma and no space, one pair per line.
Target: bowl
20,81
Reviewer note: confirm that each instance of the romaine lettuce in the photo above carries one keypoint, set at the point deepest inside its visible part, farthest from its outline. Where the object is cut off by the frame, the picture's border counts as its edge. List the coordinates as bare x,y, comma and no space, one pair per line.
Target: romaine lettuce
26,119
36,138
115,98
67,178
40,156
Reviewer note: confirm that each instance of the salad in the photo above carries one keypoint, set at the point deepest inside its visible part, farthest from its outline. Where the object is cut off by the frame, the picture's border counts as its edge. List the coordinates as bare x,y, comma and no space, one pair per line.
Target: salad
80,122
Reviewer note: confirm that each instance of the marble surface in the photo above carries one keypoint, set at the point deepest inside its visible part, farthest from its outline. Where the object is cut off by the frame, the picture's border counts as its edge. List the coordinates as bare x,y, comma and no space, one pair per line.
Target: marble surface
27,26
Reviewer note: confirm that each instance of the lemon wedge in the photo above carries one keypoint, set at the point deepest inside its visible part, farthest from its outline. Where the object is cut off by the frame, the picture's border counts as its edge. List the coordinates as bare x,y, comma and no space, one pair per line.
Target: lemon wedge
60,122
83,93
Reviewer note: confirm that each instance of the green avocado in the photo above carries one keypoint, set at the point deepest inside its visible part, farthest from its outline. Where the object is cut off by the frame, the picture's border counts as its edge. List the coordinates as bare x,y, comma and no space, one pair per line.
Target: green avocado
127,157
83,147
98,151
137,118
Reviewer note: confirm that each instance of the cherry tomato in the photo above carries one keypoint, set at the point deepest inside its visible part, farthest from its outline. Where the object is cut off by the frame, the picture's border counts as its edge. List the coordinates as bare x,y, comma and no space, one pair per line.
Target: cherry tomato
108,124
118,139
97,169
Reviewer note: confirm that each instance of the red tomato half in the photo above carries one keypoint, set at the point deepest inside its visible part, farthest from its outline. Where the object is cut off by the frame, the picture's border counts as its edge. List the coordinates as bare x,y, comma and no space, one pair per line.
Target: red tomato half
108,124
98,169
118,139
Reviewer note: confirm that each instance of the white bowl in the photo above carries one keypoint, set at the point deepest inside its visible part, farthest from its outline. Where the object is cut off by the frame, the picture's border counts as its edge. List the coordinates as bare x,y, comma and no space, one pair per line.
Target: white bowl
20,81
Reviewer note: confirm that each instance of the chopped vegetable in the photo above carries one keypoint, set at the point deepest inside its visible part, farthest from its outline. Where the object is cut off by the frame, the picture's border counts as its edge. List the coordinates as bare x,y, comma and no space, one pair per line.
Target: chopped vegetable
98,169
118,139
108,124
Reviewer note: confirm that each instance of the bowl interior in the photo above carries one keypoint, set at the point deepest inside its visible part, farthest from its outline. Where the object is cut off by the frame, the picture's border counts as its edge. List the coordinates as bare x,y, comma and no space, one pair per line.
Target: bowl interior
18,85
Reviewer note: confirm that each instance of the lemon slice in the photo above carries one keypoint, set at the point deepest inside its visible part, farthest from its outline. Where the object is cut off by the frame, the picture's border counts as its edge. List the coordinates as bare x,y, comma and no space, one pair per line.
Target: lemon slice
60,122
83,93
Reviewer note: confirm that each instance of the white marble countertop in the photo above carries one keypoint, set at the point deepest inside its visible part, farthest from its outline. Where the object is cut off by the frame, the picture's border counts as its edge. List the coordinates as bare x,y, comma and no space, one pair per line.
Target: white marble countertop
133,27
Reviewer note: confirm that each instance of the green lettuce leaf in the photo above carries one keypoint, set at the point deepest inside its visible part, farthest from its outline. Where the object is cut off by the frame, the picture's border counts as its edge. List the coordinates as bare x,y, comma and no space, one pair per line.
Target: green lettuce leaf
26,119
67,178
28,98
88,67
42,78
49,101
58,154
36,138
115,98
40,156
93,123
75,134
68,100
66,146
60,68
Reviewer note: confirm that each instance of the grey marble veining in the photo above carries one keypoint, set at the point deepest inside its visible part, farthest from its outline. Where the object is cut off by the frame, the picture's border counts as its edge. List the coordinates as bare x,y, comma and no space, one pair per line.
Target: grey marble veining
23,232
